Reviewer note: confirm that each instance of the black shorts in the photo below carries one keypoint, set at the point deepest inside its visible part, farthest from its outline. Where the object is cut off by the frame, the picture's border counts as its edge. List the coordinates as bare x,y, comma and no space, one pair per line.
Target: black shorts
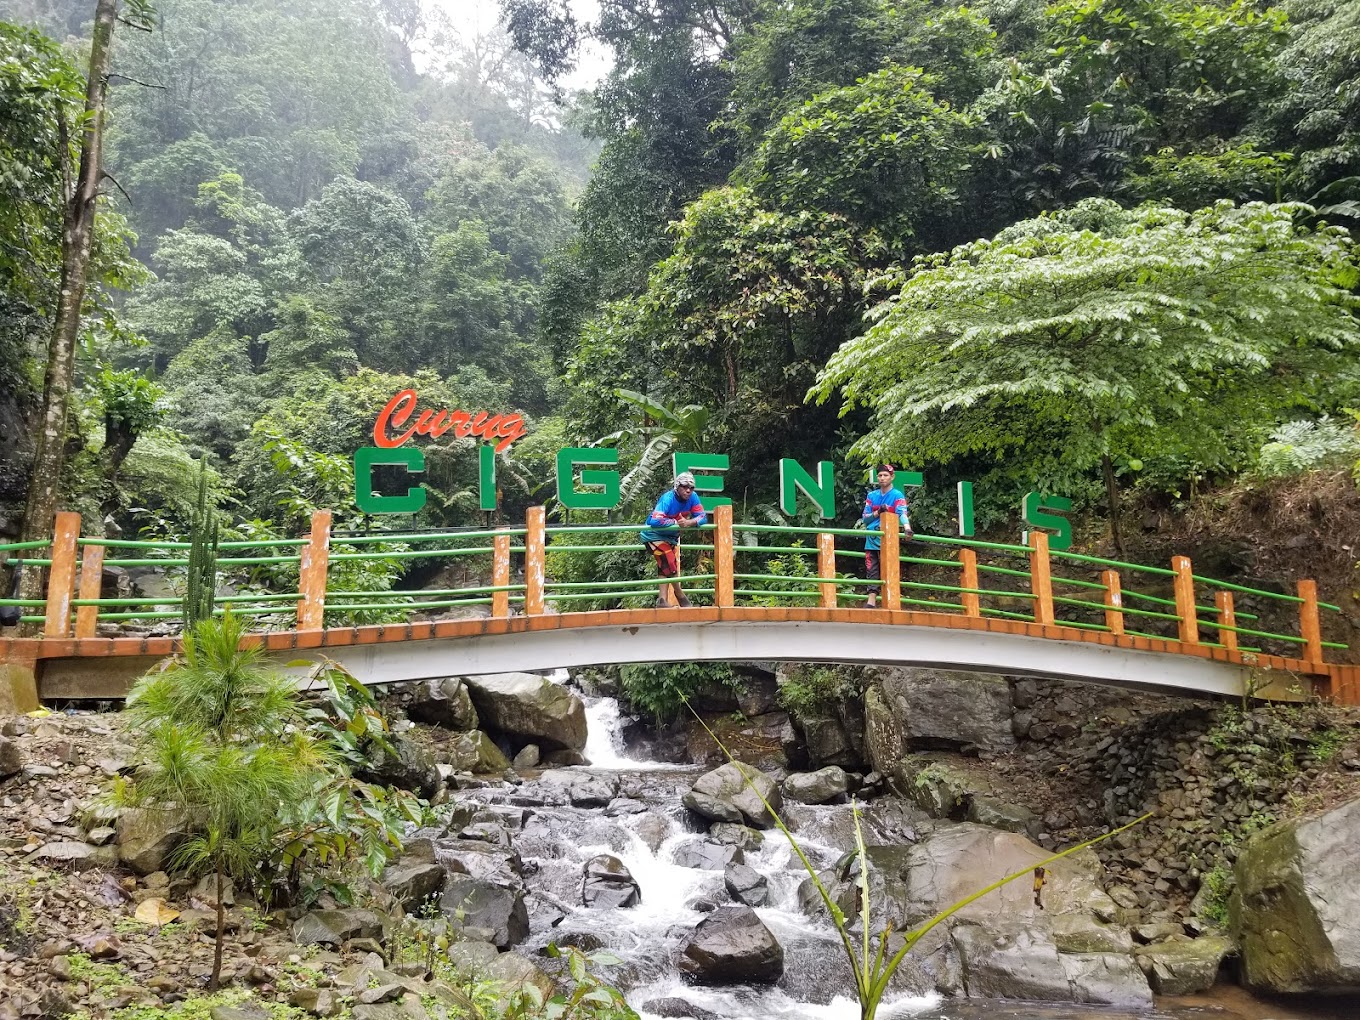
871,572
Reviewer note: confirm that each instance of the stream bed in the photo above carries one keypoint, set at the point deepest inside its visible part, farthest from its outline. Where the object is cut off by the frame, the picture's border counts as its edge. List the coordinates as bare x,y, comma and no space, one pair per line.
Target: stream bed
562,818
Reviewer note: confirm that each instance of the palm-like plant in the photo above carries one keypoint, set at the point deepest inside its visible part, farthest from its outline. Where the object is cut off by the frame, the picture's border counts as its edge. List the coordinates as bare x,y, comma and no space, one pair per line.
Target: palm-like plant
217,729
666,428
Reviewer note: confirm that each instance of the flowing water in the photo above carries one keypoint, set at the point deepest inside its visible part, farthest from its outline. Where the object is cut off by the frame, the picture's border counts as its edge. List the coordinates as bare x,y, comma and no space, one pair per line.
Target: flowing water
645,826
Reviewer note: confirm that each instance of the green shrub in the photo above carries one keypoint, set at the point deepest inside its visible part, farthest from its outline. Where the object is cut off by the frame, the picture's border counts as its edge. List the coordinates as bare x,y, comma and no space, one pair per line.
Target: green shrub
661,688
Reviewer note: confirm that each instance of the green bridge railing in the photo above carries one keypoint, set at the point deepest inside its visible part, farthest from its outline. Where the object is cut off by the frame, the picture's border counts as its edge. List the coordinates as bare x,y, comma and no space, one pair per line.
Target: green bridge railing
341,580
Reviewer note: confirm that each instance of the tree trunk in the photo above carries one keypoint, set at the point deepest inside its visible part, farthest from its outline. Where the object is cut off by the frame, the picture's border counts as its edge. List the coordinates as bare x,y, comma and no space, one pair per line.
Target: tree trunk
76,240
1112,496
221,937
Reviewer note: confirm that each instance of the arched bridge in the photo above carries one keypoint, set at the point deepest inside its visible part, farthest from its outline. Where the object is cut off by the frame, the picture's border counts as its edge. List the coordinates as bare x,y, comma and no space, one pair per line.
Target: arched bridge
773,593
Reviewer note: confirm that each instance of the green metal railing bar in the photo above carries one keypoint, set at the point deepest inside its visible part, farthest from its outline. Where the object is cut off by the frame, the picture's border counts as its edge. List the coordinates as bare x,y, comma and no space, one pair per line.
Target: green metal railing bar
1007,614
413,554
418,606
413,592
368,539
23,602
765,549
41,543
646,582
1117,564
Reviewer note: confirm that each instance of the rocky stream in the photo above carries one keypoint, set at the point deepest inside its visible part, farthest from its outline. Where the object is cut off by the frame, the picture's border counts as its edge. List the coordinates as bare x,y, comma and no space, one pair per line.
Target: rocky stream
674,865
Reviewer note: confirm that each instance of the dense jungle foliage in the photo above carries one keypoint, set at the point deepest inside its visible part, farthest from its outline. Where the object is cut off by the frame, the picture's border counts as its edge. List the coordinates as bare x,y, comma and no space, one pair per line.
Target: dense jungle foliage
1085,246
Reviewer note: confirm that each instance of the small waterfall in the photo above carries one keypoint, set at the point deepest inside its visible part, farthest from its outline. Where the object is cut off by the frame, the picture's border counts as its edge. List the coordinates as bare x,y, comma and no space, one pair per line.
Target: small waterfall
604,739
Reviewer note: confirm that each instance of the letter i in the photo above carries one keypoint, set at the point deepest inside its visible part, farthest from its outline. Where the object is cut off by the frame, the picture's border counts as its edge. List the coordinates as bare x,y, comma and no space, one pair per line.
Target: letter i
965,509
486,475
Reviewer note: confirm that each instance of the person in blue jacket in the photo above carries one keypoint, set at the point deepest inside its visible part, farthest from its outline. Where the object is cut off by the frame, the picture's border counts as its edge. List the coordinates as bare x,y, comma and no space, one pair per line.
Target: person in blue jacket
678,507
886,499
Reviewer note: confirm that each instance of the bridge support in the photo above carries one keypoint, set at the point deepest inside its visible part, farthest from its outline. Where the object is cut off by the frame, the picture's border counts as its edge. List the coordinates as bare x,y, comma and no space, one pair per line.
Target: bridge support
1188,623
1227,616
18,687
1114,601
1310,622
724,558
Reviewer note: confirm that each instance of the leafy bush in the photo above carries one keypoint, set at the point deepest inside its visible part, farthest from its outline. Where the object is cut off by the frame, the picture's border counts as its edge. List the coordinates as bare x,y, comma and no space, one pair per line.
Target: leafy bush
661,688
809,689
1300,446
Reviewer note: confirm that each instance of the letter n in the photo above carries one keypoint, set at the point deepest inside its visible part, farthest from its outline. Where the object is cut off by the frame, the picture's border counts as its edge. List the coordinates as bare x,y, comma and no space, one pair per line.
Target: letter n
821,490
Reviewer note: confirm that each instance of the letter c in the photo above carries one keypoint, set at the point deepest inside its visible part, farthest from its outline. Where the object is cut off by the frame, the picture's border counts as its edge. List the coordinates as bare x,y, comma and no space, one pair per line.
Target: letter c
370,502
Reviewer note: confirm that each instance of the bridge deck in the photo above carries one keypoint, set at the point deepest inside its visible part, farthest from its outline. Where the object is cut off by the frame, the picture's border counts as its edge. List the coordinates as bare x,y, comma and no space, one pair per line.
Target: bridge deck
386,653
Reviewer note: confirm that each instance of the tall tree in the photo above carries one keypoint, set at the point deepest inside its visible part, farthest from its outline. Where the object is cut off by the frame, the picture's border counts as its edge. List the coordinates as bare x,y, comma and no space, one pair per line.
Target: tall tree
80,206
1099,334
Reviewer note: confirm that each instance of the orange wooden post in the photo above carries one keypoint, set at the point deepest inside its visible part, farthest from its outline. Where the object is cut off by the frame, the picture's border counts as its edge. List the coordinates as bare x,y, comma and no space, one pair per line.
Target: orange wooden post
890,566
1188,629
500,576
1040,577
91,584
1114,601
972,602
826,569
313,565
723,557
61,576
535,550
1228,617
1310,622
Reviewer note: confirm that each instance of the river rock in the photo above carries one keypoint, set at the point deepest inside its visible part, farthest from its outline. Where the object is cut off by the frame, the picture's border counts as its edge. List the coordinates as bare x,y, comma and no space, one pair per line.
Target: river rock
826,740
739,786
817,787
732,946
476,752
939,709
531,707
335,927
11,760
1296,909
679,1009
527,758
472,902
737,835
444,702
1015,961
1183,968
74,855
403,764
147,837
706,855
608,883
746,885
513,973
413,882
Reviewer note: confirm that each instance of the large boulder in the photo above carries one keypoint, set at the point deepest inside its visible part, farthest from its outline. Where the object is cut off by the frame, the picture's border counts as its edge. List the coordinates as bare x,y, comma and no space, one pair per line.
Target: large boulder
938,709
477,903
735,785
147,838
817,787
706,855
474,751
530,707
608,883
413,882
444,702
402,763
1183,968
1016,961
732,946
1296,910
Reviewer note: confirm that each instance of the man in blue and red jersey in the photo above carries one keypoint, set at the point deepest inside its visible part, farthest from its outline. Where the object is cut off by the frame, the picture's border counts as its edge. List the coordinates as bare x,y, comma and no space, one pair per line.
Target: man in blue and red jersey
886,499
678,507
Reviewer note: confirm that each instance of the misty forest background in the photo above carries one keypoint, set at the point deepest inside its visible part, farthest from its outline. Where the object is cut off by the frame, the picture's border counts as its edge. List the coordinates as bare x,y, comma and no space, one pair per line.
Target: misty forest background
313,205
